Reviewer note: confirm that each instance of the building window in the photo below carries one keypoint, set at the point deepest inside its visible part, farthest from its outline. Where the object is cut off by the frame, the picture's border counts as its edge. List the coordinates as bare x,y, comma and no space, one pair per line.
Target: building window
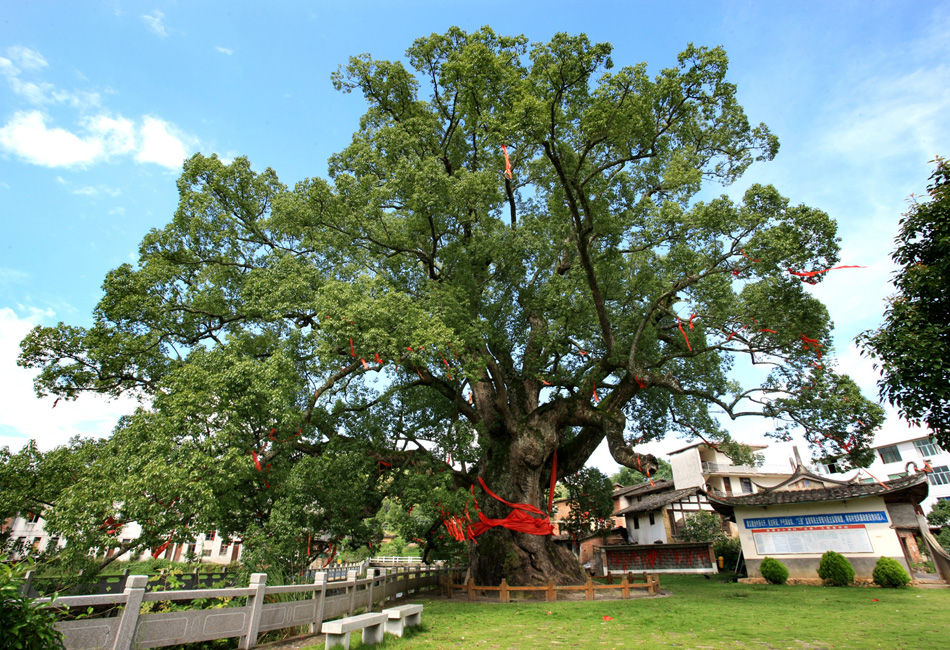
831,468
926,447
636,522
652,521
727,484
32,517
889,454
746,485
940,476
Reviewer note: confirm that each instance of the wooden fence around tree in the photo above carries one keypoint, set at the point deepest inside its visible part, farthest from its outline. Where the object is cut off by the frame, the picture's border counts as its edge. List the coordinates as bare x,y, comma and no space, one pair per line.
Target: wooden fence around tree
649,582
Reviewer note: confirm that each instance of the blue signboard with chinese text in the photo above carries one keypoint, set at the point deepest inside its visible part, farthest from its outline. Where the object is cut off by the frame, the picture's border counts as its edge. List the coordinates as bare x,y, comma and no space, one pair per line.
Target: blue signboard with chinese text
826,519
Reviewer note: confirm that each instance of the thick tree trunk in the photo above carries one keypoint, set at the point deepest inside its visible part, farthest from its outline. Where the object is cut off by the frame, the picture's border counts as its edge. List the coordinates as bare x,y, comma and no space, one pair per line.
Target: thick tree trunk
514,472
522,559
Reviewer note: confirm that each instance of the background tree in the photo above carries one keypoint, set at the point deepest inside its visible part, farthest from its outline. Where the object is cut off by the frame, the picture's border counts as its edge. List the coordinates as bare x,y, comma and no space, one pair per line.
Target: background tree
913,345
939,515
629,476
589,503
428,320
702,526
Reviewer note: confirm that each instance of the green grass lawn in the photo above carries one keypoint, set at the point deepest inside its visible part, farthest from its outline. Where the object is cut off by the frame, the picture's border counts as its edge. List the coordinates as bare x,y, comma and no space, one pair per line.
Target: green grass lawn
699,613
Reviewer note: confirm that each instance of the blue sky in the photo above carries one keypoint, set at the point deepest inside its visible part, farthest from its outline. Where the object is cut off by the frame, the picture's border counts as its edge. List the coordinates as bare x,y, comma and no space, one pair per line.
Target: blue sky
101,101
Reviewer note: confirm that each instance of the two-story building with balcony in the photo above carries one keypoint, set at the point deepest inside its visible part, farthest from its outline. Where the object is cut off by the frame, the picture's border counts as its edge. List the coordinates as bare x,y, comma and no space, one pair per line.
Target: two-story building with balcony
703,465
897,456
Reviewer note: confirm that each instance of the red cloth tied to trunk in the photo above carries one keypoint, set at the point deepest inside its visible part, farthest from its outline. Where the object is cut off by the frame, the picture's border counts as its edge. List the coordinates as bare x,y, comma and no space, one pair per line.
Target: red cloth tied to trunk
517,520
520,519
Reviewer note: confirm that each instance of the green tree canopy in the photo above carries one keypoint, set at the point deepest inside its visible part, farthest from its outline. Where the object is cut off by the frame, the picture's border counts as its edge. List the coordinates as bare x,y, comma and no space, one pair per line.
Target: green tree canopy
913,345
629,476
304,352
590,503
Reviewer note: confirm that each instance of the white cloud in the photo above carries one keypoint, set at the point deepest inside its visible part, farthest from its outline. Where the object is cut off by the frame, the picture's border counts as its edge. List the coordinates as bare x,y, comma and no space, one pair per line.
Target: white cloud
40,92
224,50
24,416
155,21
117,134
27,136
10,276
100,136
96,190
103,137
896,114
26,58
160,144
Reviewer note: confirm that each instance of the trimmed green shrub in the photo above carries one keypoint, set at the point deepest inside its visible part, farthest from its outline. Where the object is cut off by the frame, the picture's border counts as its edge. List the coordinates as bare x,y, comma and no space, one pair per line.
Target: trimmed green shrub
889,573
773,571
835,568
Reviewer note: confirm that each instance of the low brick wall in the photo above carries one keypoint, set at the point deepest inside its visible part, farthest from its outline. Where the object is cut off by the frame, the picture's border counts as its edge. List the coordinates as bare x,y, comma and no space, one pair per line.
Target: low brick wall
659,558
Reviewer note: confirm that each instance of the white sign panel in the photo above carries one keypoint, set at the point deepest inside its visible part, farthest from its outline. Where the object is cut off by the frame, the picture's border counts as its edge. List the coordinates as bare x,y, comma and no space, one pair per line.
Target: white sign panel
812,539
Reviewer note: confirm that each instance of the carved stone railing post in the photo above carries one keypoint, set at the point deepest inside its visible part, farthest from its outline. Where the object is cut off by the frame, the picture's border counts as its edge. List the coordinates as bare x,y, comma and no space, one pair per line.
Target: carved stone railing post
134,592
255,604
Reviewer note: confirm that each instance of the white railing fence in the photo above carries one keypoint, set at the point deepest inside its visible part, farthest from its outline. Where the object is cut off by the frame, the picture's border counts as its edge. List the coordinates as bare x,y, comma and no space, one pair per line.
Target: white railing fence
396,559
322,601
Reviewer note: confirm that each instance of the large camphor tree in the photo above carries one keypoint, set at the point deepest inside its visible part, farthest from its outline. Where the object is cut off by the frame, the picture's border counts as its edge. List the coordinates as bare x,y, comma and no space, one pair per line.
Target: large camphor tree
430,316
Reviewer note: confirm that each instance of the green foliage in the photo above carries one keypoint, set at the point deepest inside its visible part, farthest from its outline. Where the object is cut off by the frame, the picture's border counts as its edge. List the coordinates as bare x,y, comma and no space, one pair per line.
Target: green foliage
913,345
590,502
418,320
836,569
629,476
773,571
729,548
793,616
889,573
939,515
943,538
23,624
702,526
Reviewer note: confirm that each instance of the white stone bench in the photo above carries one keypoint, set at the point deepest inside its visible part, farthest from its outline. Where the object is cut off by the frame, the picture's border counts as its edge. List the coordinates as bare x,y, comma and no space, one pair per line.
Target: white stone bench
338,631
402,617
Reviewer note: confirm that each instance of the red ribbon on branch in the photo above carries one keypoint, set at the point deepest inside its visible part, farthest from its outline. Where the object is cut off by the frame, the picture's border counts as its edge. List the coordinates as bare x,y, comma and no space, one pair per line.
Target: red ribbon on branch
507,162
332,554
679,323
811,274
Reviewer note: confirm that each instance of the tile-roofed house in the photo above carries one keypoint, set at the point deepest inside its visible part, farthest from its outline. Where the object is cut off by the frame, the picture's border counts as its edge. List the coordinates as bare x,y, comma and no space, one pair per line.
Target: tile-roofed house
804,515
657,500
654,513
805,486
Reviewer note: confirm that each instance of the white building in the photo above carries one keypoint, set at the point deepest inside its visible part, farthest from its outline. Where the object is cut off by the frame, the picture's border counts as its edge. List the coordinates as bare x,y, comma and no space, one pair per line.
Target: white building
798,520
896,456
702,465
28,536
